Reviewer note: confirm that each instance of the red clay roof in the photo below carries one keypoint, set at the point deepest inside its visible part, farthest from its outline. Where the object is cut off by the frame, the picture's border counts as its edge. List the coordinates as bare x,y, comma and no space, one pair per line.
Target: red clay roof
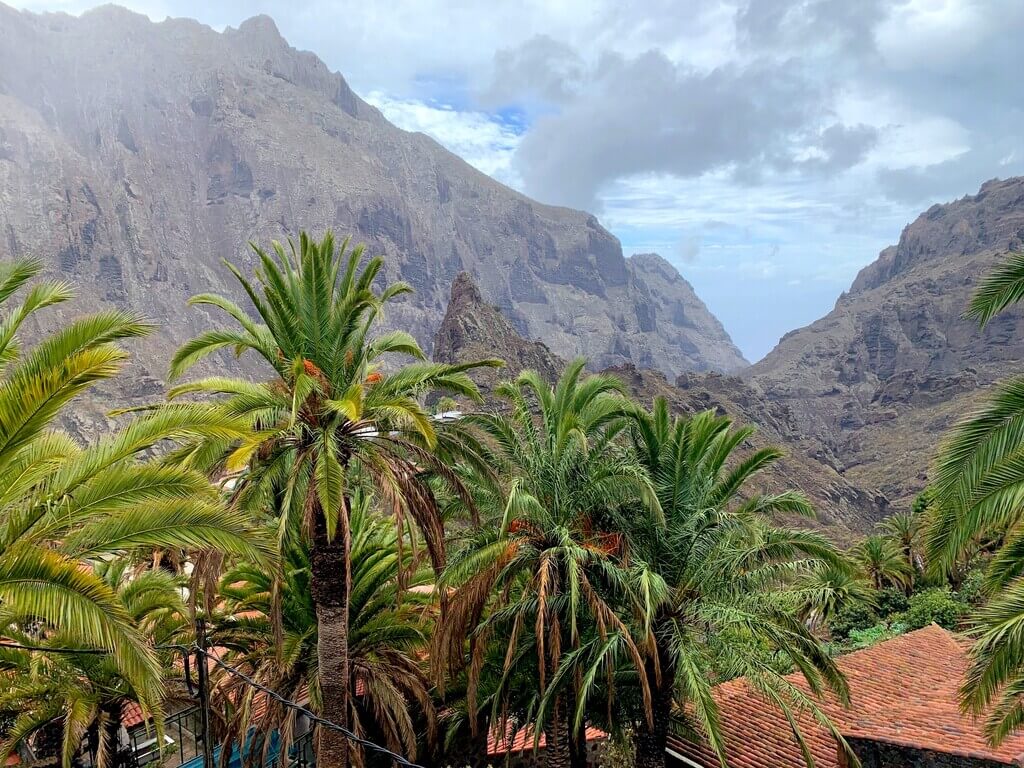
902,691
131,714
522,741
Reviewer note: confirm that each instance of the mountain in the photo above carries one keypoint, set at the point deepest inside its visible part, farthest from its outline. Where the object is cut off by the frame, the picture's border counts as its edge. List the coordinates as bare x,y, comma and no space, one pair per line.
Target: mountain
878,380
472,329
134,156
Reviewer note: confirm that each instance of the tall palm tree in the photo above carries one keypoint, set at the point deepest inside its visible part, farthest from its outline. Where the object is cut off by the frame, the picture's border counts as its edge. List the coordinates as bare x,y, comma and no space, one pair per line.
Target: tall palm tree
714,577
828,588
904,529
533,580
882,562
63,506
85,694
331,414
977,492
389,624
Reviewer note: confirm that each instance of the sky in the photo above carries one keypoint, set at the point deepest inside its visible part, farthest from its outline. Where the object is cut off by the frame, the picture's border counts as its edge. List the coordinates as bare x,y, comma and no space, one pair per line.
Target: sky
768,148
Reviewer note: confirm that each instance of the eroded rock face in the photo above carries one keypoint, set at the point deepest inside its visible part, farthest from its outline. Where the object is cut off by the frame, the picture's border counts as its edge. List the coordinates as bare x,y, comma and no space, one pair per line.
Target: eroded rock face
880,378
135,156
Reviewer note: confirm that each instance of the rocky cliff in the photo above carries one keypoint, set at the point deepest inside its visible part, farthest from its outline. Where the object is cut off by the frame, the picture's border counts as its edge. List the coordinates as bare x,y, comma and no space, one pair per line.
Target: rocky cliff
472,329
135,156
880,378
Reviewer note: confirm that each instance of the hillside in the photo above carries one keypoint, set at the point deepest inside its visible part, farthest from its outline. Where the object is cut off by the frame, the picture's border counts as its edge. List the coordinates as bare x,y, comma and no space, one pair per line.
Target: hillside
879,379
135,156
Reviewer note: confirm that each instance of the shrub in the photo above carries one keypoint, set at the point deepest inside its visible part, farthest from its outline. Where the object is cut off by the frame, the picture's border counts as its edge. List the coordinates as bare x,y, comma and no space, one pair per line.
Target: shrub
891,600
934,605
971,589
865,638
851,617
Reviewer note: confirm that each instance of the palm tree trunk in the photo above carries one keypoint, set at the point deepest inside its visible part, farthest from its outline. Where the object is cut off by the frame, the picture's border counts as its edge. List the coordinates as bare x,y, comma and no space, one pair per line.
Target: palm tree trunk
578,748
556,738
652,739
118,758
330,585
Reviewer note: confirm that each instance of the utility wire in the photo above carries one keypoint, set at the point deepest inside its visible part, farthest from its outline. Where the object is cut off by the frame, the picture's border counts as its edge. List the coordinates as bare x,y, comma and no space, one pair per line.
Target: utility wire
95,651
312,716
48,649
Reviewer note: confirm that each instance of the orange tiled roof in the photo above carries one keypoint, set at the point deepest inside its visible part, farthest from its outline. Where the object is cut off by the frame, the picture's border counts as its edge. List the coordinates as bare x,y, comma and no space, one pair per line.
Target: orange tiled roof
522,740
131,714
902,691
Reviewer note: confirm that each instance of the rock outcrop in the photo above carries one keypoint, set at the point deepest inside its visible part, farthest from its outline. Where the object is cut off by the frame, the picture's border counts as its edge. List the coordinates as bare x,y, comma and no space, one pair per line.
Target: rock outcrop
879,379
134,156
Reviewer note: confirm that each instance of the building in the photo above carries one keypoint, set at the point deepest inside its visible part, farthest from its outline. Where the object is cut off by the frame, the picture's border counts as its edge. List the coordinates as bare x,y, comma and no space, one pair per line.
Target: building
904,713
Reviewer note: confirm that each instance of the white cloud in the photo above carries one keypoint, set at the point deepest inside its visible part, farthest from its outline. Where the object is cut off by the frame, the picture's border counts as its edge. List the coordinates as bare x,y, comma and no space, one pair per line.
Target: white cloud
480,139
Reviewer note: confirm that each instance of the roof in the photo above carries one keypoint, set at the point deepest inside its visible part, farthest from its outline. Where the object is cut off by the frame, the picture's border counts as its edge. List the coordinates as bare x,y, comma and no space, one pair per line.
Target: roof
522,741
132,714
903,691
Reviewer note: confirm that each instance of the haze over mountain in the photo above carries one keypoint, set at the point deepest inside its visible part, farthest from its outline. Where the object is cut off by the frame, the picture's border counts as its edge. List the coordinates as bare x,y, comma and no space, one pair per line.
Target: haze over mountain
134,156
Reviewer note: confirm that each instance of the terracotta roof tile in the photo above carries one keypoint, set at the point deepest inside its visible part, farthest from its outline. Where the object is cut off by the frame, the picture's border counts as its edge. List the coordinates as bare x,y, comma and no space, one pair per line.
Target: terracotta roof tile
902,691
132,715
522,741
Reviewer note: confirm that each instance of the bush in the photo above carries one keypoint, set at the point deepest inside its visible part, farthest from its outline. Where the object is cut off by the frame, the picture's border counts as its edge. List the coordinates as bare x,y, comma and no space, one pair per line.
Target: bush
971,589
865,638
891,600
851,617
934,605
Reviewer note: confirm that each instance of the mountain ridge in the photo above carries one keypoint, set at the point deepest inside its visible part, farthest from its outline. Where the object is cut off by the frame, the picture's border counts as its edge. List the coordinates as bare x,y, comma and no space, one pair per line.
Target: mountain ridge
135,155
879,379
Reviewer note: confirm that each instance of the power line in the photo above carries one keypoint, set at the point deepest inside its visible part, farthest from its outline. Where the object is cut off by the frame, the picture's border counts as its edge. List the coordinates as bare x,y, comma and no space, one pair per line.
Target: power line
72,651
311,715
49,649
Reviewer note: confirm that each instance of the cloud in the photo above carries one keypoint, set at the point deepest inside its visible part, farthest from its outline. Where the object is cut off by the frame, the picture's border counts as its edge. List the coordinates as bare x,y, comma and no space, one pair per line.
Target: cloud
648,114
542,69
480,139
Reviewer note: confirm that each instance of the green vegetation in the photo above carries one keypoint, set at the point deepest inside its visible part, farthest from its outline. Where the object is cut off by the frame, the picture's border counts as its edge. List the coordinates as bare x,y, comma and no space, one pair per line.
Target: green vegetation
557,558
977,492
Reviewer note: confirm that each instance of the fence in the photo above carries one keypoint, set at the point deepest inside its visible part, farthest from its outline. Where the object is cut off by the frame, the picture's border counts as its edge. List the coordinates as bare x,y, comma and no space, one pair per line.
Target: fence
192,725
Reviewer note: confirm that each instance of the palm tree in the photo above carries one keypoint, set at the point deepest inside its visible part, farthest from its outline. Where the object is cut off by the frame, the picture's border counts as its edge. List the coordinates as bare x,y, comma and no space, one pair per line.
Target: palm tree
713,577
978,479
329,417
904,529
534,580
85,694
977,491
63,506
389,624
828,588
882,562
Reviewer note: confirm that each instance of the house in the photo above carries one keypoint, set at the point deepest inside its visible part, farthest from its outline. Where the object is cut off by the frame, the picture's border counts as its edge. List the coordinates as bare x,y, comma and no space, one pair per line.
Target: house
516,749
904,713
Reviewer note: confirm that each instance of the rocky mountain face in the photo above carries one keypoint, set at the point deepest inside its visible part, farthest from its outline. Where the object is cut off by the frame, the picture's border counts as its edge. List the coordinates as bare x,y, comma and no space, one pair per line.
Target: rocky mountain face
135,156
878,380
472,329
